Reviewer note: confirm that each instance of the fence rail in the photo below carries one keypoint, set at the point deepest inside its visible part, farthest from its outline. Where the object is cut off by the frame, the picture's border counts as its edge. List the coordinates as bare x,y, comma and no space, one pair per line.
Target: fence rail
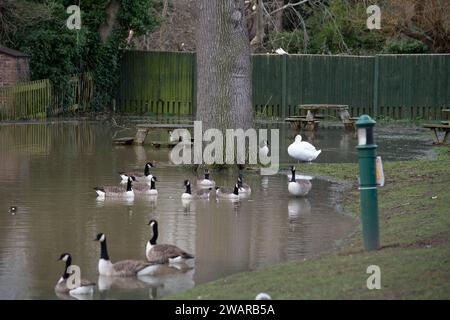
25,100
38,99
394,86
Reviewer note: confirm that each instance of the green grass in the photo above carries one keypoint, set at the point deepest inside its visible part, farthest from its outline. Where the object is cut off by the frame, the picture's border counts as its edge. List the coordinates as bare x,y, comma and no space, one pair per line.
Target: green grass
414,209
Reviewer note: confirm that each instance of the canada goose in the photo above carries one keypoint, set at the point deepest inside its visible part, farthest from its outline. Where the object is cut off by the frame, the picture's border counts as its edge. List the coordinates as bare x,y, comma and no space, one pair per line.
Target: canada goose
264,150
206,182
138,175
146,189
243,187
163,253
198,194
125,268
86,287
303,151
224,193
298,187
116,192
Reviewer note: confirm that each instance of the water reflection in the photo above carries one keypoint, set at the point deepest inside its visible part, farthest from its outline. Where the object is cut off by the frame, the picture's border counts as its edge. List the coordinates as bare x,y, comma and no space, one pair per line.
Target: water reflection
298,207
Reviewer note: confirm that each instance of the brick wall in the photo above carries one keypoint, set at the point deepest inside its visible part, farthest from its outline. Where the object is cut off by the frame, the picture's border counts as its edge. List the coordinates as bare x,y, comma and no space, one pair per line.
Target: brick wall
13,70
23,70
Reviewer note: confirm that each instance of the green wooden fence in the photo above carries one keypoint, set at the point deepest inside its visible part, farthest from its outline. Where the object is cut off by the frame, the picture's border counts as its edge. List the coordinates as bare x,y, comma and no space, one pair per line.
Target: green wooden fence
37,99
25,100
156,83
394,86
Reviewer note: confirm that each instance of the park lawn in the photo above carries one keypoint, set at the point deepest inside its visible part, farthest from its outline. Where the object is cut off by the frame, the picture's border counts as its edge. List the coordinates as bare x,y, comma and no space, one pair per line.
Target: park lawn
414,209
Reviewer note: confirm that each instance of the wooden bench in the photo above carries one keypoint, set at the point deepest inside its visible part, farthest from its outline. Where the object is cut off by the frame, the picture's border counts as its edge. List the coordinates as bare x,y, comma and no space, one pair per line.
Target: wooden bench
144,129
434,132
446,112
311,115
297,123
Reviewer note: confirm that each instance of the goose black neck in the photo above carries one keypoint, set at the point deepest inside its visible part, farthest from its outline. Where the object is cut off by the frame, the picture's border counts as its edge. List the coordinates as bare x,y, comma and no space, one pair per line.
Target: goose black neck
188,188
129,185
103,250
146,170
240,183
155,234
293,175
236,190
153,185
68,264
207,175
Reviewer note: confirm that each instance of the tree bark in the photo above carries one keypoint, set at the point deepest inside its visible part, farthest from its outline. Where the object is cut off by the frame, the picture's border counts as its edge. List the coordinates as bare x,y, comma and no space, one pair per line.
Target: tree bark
223,66
279,16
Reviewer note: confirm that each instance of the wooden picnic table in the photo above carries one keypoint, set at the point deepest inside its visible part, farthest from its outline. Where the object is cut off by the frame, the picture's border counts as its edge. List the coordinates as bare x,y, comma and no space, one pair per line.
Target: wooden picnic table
144,129
434,131
310,122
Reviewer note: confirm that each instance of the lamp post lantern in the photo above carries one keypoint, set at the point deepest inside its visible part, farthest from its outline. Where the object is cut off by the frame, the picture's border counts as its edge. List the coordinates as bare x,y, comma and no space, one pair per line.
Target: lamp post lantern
368,182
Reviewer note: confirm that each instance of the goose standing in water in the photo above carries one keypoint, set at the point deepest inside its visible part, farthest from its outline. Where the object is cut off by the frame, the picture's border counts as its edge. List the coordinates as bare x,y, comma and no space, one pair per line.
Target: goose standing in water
163,253
303,151
298,187
206,182
138,176
116,192
198,194
146,189
86,287
125,268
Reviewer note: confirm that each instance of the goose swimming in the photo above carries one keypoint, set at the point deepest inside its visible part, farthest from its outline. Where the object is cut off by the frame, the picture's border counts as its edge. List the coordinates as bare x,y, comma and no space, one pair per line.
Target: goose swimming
116,192
139,176
125,268
85,287
198,194
163,253
206,182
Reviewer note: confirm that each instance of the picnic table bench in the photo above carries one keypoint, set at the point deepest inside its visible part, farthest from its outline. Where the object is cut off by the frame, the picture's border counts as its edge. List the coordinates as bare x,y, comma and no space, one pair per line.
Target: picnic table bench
310,122
434,131
144,129
446,112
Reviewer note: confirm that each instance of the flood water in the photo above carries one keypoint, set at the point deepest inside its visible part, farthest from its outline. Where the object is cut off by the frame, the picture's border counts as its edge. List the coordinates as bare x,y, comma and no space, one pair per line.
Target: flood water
49,170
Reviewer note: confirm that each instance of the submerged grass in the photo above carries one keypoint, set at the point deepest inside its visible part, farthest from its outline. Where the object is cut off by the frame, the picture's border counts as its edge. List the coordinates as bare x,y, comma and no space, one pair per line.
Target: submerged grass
414,209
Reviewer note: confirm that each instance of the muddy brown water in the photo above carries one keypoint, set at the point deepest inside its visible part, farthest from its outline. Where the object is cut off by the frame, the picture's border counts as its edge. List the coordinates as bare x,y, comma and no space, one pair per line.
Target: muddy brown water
48,171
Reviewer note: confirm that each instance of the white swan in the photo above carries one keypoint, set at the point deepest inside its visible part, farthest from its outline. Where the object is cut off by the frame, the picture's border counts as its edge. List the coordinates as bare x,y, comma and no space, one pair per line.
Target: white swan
303,151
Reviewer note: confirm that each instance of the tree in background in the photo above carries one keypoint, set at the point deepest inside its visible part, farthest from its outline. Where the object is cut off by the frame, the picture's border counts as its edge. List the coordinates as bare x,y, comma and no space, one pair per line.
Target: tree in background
223,66
424,22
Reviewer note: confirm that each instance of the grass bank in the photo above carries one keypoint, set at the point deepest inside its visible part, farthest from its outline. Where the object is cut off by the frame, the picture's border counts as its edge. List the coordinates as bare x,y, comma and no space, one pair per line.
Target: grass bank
415,237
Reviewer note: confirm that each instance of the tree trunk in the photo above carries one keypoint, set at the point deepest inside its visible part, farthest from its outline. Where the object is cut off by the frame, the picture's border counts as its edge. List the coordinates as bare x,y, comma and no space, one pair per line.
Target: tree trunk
223,66
279,16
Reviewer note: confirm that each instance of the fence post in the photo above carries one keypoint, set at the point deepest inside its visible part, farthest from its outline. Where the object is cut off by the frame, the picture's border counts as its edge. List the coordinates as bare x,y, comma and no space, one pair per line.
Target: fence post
194,86
376,78
283,85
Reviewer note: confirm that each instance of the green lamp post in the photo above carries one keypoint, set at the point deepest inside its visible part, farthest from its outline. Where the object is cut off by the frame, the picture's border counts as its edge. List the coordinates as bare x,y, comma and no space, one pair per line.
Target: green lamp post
368,182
